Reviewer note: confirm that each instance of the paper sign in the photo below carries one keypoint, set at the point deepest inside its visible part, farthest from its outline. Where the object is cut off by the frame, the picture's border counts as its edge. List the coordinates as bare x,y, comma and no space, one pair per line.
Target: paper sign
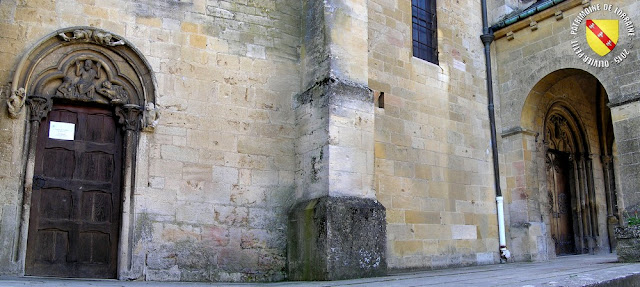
61,131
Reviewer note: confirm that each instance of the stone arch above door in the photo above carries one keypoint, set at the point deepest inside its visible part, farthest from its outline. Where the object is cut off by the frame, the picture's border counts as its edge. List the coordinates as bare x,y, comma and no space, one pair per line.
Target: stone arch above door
538,101
85,65
50,70
523,84
563,129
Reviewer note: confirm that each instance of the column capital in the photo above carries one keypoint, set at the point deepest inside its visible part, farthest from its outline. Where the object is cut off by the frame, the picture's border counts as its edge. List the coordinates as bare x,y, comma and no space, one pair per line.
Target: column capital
39,107
130,117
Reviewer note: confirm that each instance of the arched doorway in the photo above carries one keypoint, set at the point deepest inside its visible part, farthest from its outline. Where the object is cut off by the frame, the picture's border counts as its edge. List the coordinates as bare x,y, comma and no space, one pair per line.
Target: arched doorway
573,216
560,178
86,91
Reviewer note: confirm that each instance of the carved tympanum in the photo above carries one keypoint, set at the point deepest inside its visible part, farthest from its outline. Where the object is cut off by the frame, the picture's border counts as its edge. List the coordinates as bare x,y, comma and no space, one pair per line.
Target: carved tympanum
558,134
88,79
94,36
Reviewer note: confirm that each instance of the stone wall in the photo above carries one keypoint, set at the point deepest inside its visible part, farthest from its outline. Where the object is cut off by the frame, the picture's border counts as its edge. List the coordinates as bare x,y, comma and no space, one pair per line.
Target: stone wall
267,105
215,180
433,168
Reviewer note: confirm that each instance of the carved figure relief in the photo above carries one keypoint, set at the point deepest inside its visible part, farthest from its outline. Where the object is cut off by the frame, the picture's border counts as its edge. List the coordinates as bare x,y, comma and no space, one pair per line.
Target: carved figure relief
151,117
87,80
15,103
86,75
95,36
558,134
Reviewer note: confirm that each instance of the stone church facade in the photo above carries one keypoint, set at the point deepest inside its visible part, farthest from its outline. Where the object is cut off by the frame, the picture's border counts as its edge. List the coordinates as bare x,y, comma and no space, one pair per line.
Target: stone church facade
235,141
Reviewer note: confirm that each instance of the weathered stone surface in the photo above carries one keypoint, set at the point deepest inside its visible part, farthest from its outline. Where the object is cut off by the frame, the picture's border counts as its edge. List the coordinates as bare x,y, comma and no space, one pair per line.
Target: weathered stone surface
333,238
628,247
223,75
335,140
265,104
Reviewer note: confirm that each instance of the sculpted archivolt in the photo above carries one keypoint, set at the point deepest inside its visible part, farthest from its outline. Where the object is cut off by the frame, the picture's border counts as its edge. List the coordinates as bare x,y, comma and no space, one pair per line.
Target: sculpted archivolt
80,64
95,36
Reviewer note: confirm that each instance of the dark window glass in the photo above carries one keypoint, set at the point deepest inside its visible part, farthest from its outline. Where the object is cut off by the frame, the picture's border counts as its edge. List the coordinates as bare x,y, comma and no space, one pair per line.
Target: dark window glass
425,44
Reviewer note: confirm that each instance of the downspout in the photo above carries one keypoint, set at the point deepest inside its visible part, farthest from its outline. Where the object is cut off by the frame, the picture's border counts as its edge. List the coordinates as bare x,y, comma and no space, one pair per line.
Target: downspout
487,37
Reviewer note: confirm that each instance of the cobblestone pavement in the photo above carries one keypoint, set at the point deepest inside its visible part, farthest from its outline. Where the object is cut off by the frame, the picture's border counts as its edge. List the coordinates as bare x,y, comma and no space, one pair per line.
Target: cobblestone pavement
579,270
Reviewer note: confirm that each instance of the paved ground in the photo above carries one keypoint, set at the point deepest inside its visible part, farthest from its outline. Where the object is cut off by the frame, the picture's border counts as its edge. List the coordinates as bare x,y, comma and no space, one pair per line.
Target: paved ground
580,270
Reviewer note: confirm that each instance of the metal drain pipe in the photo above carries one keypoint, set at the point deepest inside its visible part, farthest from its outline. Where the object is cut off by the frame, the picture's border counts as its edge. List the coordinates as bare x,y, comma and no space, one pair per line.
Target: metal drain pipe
487,37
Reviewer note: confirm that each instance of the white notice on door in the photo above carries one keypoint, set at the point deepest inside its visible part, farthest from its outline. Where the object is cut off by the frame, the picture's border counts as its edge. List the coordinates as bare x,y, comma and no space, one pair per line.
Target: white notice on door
61,131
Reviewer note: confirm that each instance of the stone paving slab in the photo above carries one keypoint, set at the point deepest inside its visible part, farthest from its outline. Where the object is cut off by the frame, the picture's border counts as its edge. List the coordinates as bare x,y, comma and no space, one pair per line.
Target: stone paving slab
569,271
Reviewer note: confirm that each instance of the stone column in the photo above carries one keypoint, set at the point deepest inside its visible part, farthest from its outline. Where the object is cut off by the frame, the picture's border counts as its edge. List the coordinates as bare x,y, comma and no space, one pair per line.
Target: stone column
39,108
130,117
337,229
609,189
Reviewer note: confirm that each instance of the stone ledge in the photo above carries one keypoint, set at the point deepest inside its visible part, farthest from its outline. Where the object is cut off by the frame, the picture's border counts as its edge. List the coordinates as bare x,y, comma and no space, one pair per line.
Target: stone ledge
624,99
329,88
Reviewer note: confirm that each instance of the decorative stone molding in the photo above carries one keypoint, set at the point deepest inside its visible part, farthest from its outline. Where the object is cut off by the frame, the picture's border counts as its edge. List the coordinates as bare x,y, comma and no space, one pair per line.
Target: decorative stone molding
558,134
89,69
129,116
519,130
623,100
39,107
502,29
93,36
15,103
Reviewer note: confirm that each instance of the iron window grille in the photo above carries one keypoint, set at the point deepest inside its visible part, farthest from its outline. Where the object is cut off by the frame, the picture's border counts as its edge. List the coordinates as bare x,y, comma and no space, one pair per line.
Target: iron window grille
423,20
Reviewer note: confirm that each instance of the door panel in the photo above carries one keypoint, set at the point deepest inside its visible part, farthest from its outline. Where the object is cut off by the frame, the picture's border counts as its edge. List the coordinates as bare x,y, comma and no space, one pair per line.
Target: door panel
75,207
559,184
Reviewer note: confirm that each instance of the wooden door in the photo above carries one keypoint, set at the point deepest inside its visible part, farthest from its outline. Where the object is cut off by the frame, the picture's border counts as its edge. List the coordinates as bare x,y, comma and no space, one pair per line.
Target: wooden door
559,183
75,205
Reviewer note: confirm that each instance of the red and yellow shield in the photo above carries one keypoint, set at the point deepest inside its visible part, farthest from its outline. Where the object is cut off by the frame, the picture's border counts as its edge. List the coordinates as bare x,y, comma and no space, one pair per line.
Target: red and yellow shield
602,35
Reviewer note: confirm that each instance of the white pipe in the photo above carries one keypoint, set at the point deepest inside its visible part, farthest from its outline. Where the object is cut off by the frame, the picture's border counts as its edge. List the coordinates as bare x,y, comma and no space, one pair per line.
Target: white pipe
504,253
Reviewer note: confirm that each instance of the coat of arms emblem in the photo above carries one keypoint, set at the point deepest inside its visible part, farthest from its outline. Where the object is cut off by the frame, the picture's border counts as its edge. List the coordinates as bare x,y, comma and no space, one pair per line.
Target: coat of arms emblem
602,35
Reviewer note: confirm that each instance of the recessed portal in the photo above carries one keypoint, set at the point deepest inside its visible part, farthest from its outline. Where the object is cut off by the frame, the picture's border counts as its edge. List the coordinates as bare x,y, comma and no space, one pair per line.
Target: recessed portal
567,115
